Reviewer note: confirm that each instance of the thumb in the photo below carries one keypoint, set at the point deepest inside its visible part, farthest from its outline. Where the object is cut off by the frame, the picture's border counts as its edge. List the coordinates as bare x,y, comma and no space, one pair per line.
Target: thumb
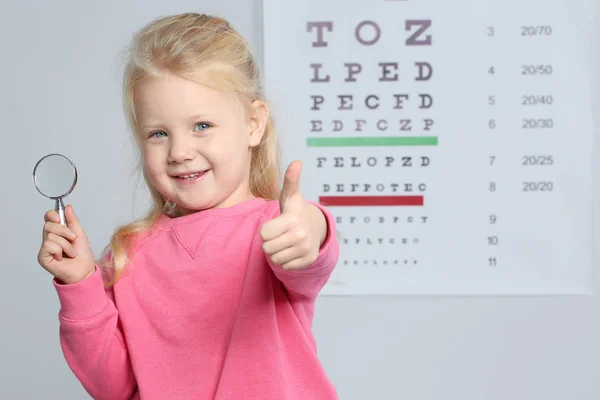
291,182
72,221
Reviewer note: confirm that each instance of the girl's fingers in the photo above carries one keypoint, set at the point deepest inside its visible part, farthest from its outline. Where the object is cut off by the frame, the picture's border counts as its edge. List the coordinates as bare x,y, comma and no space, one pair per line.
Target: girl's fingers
52,249
59,230
72,221
65,245
279,243
287,255
51,216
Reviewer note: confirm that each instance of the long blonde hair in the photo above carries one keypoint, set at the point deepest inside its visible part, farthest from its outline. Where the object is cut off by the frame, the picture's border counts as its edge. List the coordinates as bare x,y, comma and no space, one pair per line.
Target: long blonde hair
206,50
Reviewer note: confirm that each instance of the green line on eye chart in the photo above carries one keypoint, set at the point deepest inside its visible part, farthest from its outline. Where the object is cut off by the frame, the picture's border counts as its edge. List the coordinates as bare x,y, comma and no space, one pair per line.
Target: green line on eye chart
372,141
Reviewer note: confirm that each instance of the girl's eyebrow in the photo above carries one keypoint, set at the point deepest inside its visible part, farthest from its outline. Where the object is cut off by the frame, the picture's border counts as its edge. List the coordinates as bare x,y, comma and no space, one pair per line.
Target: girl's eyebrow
151,126
157,124
199,116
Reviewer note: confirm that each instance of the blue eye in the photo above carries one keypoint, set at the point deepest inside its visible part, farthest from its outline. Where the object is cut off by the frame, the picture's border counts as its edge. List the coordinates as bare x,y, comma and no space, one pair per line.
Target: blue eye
202,125
155,134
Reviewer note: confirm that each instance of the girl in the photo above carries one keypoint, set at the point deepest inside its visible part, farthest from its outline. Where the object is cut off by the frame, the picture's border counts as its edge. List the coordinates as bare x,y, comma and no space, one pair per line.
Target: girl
212,294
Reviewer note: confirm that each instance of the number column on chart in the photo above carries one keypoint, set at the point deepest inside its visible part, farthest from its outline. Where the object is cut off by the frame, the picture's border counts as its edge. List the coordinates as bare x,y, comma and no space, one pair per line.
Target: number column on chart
519,138
493,157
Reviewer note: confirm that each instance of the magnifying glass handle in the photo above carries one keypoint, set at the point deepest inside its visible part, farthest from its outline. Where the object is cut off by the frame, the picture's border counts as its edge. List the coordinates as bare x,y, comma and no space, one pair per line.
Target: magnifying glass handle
59,207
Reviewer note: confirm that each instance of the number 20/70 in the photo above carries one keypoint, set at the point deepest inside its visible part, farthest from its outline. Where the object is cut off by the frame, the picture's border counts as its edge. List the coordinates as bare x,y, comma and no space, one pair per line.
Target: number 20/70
528,30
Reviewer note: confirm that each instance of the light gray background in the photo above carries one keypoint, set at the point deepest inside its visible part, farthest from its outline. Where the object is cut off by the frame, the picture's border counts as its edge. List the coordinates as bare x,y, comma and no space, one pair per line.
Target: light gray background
60,91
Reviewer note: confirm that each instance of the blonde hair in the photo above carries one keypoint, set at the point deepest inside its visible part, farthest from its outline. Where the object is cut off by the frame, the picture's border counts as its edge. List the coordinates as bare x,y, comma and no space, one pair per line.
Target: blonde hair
206,50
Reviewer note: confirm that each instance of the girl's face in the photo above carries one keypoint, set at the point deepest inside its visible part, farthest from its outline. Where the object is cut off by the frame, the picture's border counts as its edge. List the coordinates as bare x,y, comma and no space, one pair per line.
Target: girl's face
196,142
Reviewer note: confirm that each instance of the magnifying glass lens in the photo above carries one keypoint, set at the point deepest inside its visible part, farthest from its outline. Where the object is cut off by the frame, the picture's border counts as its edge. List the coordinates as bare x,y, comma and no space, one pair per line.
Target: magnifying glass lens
55,177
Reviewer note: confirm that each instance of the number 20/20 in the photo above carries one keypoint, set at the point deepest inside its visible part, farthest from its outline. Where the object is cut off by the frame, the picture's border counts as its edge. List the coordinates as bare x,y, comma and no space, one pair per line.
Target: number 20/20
538,186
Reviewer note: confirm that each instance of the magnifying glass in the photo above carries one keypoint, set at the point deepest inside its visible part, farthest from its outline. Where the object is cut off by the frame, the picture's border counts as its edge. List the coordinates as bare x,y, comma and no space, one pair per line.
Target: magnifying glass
55,177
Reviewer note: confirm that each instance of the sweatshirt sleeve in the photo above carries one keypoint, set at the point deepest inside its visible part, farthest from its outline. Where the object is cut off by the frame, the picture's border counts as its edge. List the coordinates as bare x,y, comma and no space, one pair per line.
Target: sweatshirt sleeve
309,281
92,340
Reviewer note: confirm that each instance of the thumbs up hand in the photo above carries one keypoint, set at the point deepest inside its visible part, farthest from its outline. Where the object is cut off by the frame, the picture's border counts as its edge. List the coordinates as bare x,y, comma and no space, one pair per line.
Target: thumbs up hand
293,238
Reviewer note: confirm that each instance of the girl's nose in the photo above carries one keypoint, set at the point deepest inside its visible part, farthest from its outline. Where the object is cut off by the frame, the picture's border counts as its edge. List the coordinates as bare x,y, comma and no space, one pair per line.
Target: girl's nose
180,151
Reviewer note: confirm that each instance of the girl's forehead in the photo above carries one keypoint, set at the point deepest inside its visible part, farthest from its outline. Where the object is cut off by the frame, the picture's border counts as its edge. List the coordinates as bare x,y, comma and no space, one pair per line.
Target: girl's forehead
177,96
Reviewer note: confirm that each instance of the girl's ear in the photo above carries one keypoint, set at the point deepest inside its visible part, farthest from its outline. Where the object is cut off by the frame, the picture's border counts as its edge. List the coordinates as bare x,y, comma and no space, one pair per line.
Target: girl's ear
258,114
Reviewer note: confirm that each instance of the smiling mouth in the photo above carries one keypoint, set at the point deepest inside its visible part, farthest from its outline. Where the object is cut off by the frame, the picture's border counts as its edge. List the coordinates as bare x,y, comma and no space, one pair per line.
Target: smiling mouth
190,176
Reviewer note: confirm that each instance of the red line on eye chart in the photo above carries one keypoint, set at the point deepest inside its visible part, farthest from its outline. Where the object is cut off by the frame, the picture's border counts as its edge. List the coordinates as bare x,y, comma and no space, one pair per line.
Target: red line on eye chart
365,201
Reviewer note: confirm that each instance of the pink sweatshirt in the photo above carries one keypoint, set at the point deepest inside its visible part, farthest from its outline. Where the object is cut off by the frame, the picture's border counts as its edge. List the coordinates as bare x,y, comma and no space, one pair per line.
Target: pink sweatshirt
201,314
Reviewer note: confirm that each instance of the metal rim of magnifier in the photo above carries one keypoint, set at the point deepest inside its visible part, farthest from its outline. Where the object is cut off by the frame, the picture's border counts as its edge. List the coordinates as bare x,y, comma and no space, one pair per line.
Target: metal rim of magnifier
74,180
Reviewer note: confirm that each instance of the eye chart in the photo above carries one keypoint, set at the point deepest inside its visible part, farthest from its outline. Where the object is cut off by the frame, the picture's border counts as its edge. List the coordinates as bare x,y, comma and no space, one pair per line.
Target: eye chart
452,140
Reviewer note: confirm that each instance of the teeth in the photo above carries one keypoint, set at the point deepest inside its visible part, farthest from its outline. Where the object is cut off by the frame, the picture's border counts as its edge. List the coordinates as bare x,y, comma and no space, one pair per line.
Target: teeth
192,176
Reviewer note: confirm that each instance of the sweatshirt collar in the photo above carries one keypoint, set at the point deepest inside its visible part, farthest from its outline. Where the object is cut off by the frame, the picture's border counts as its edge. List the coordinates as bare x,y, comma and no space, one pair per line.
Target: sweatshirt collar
189,229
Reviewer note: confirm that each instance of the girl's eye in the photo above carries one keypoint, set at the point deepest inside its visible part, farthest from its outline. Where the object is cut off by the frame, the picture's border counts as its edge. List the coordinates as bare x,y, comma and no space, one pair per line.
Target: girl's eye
201,126
158,134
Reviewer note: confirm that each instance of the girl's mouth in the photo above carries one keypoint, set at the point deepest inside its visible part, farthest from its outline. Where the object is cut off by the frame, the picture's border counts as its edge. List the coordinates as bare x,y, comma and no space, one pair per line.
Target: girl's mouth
190,177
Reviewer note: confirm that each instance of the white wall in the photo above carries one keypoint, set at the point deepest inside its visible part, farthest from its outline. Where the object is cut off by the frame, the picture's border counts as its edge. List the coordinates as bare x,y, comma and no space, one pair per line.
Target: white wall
59,80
